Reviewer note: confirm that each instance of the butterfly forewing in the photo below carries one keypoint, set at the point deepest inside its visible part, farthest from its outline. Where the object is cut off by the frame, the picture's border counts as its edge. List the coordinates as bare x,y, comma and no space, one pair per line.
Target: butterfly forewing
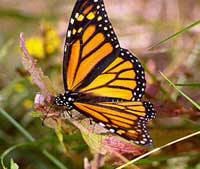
90,43
93,61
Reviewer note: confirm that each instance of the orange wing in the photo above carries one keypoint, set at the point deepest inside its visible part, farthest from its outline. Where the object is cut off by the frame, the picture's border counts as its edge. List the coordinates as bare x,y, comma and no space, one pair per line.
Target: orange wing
91,44
127,119
94,64
122,79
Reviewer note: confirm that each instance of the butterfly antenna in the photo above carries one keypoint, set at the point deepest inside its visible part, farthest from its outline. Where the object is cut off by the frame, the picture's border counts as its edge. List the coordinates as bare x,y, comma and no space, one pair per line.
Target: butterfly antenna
46,115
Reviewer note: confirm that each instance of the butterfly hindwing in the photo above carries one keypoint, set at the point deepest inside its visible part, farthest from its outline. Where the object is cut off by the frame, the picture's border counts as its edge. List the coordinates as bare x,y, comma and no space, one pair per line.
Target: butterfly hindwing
140,83
91,43
127,119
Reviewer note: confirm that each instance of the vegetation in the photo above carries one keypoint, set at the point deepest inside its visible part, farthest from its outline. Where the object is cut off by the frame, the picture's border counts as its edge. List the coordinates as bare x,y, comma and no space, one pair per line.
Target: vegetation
164,35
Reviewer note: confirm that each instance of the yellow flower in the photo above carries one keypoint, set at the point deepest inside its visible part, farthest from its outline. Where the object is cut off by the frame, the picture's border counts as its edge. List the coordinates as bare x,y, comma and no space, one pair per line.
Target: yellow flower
52,40
19,88
35,46
28,103
42,46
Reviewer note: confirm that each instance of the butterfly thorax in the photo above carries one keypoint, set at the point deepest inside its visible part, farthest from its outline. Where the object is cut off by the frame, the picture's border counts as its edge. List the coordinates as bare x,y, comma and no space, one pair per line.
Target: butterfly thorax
66,99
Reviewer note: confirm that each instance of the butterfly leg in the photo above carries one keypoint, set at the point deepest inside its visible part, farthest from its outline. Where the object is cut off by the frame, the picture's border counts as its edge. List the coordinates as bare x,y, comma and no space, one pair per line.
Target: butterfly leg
93,128
66,114
91,121
46,115
93,124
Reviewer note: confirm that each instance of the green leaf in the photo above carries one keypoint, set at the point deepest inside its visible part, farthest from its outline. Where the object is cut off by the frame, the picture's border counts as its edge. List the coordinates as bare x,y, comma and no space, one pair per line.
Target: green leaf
176,34
183,94
193,85
13,165
93,141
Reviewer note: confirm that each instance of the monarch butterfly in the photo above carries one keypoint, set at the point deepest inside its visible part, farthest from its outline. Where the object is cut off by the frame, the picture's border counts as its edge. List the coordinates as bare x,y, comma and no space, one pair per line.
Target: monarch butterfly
102,80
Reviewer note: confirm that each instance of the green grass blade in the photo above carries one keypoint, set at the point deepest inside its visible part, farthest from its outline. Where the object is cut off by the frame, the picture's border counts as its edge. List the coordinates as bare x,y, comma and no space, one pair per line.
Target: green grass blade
193,85
5,48
31,139
46,153
155,79
183,94
176,34
54,160
158,149
165,158
16,14
16,124
6,152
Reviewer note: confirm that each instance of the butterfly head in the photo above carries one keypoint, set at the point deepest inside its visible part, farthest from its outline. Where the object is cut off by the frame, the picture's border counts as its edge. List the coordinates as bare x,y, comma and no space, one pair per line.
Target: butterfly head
66,99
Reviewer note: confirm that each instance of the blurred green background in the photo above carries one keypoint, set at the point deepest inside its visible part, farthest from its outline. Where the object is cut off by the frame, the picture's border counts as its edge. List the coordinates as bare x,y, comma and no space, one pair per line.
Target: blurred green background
139,25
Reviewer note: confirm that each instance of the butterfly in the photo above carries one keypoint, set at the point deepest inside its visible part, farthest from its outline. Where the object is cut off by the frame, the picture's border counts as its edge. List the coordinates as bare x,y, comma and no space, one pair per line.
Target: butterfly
102,80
